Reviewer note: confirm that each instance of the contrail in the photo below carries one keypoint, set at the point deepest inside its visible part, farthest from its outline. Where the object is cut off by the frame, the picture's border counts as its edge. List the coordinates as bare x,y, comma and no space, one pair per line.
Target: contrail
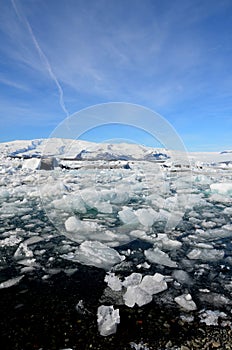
43,58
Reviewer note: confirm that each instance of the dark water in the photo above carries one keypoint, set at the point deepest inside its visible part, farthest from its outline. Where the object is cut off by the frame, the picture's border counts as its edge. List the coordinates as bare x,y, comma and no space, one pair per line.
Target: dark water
39,314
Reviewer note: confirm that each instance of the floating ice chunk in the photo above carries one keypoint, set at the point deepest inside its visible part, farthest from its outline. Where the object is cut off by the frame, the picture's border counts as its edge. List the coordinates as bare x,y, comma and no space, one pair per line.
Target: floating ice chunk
182,276
228,211
141,235
203,179
141,294
194,200
113,281
157,256
139,346
210,318
11,282
220,198
208,224
73,224
33,164
95,253
136,295
216,299
222,187
147,217
27,269
103,207
10,241
132,280
216,233
23,252
97,200
28,262
90,197
33,240
164,242
144,265
173,219
187,318
53,189
106,236
107,319
4,194
70,203
206,254
153,284
164,214
127,216
120,197
227,227
186,302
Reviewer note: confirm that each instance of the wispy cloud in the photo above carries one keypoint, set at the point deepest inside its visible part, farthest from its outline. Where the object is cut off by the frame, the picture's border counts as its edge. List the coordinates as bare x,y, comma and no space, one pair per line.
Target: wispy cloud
42,56
14,84
134,51
174,56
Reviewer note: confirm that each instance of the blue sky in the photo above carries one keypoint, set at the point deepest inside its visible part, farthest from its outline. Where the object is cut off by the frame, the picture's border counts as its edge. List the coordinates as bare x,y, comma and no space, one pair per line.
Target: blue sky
172,56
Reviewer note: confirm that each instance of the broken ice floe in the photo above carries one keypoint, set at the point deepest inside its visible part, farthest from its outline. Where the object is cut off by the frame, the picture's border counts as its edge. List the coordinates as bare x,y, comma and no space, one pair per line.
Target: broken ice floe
182,277
206,254
107,319
139,346
23,252
222,188
132,280
113,281
95,253
136,289
107,205
186,302
73,224
210,317
11,282
142,293
157,256
11,241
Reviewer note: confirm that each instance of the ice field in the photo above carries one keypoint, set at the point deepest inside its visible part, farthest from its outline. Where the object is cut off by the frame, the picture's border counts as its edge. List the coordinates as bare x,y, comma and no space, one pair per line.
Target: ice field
157,222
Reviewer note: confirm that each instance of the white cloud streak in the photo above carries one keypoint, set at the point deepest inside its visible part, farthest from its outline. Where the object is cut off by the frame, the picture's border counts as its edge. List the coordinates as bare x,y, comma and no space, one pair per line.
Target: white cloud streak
43,57
13,84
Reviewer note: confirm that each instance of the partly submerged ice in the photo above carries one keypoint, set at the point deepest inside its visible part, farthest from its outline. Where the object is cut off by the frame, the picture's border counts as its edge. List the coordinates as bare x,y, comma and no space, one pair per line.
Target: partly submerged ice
95,253
222,187
186,302
107,319
11,282
159,229
136,288
157,256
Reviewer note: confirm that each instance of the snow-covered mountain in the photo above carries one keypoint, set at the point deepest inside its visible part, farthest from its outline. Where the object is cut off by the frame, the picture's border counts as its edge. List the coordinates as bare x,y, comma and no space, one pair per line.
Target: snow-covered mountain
83,150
